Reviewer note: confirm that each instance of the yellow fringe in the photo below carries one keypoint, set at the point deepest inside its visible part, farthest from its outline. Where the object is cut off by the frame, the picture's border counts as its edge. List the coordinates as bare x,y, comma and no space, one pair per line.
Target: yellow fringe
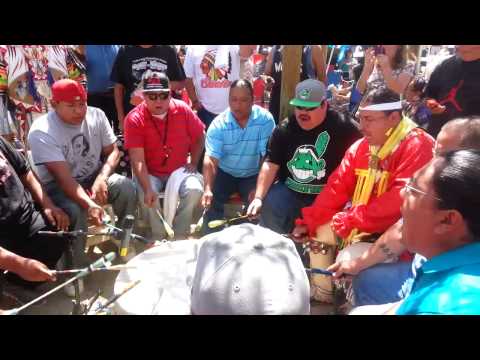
367,178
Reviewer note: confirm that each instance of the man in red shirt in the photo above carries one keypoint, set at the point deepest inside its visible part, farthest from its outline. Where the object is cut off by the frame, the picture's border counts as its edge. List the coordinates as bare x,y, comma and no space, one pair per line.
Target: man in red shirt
362,196
160,133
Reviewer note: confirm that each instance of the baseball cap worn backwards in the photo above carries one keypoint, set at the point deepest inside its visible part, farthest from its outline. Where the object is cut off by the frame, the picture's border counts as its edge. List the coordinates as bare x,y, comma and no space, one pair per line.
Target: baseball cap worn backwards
68,90
309,93
249,270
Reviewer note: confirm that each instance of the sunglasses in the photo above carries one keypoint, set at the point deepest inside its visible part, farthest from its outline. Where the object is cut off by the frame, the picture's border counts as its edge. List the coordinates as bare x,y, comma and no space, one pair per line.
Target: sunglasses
161,96
301,108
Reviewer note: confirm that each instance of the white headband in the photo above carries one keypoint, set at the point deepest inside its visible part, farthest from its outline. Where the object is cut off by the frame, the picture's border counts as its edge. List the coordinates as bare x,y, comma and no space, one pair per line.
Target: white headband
383,107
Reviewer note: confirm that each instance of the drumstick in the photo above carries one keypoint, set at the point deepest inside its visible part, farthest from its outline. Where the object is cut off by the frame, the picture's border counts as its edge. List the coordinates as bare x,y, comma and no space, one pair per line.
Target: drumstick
167,227
115,297
319,271
199,224
110,268
217,223
324,272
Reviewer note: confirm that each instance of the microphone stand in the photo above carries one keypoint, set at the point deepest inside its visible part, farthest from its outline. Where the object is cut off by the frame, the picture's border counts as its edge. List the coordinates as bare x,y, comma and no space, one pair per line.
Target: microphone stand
70,237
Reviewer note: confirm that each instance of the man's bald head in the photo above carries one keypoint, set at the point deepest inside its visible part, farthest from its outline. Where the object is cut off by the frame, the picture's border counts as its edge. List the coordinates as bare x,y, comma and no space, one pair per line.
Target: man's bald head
461,133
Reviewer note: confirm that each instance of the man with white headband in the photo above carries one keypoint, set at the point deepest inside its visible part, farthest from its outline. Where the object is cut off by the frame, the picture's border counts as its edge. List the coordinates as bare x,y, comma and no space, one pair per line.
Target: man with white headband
370,176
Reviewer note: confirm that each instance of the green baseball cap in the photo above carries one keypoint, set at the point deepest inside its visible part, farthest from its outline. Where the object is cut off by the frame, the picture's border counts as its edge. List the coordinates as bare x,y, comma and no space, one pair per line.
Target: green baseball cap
309,93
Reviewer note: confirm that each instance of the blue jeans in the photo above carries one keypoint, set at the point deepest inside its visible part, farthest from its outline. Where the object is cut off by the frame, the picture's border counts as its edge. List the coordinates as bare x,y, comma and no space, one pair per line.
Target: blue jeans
383,283
281,207
188,209
224,186
121,194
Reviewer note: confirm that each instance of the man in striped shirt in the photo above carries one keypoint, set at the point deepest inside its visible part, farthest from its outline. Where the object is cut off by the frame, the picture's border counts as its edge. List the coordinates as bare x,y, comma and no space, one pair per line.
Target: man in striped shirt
234,150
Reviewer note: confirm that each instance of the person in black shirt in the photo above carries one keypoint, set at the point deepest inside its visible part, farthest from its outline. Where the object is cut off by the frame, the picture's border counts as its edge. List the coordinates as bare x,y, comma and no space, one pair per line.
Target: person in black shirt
303,151
455,86
22,250
130,64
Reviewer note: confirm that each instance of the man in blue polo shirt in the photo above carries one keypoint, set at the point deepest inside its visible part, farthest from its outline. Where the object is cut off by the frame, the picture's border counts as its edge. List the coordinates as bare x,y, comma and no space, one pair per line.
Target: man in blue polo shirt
234,150
441,222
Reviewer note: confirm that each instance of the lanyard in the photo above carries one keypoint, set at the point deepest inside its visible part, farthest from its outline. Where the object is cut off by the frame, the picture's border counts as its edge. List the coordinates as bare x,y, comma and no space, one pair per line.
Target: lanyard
166,154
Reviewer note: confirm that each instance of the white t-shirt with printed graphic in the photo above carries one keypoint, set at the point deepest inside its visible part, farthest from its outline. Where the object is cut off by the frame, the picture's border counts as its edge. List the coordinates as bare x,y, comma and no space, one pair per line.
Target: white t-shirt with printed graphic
51,139
212,72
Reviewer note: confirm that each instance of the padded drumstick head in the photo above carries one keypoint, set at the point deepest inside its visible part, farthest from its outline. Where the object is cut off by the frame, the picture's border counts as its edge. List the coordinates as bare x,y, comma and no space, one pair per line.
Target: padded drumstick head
246,270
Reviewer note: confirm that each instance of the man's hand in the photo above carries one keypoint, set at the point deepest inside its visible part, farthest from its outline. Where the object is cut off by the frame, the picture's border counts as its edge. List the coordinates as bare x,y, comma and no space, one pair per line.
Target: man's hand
150,198
136,98
197,105
95,213
300,233
343,268
435,107
33,270
100,190
384,62
369,60
57,217
341,224
120,118
190,168
254,208
269,82
207,198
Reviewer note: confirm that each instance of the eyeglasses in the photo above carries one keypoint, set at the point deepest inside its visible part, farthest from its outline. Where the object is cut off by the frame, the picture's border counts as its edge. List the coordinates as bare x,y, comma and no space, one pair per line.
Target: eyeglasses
301,108
409,189
161,96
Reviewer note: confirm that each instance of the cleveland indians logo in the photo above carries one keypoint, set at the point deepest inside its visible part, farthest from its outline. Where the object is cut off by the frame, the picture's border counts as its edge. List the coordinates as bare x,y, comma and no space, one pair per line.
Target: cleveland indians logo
304,94
306,164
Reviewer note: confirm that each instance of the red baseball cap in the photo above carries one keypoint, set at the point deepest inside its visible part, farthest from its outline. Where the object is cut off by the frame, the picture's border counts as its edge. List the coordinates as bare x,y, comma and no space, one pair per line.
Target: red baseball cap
68,90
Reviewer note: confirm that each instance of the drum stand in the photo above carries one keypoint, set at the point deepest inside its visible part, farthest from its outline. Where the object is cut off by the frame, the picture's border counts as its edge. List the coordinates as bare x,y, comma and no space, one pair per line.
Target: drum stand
69,264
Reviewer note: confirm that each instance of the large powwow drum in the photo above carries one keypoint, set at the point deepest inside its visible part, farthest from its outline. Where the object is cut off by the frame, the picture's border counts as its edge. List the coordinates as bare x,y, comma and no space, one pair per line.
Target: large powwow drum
244,269
166,272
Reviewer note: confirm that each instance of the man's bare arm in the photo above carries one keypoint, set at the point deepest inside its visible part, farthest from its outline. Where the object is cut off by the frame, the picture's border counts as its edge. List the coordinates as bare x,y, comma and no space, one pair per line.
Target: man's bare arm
177,85
197,149
118,94
60,170
210,166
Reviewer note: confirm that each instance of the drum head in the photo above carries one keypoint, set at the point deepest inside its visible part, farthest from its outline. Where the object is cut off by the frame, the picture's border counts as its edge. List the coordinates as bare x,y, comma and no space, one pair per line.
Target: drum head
166,273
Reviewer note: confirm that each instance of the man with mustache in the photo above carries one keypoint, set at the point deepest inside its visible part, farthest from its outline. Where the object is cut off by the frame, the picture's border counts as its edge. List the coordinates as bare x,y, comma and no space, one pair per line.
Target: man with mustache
302,152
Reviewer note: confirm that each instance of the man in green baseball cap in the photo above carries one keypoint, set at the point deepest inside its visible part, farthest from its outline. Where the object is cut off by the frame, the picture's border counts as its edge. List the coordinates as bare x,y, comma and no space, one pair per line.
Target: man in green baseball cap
303,150
309,93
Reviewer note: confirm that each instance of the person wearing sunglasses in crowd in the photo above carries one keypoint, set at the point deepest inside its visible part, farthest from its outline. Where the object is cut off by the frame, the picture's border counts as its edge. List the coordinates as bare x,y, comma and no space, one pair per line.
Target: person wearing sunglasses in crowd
160,134
302,152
